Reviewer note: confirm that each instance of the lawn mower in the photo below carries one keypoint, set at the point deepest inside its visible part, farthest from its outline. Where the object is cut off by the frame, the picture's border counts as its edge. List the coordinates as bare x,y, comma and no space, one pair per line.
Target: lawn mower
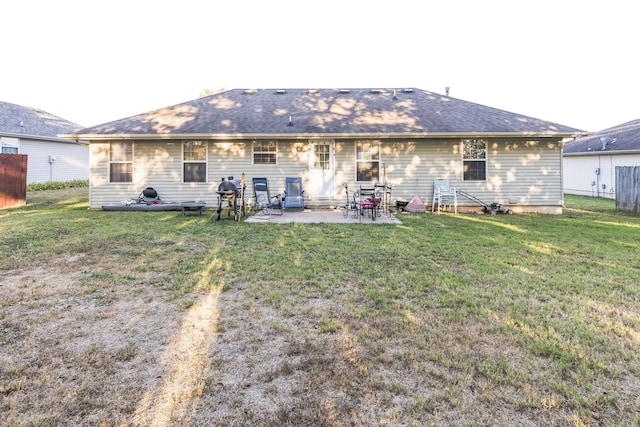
487,208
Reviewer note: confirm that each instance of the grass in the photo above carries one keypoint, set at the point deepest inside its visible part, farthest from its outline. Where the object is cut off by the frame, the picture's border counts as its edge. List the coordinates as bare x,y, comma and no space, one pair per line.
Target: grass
446,319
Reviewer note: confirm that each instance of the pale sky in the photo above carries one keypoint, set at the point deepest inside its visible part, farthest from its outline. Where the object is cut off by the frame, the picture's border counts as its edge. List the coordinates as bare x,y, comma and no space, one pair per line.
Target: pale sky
572,62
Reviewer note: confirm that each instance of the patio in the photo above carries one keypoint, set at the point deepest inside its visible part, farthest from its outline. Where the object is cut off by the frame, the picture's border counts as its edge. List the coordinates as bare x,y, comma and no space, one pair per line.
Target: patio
320,216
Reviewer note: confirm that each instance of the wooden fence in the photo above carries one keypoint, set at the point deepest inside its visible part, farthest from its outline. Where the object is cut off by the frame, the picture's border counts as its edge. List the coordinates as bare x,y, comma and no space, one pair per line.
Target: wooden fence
13,180
628,188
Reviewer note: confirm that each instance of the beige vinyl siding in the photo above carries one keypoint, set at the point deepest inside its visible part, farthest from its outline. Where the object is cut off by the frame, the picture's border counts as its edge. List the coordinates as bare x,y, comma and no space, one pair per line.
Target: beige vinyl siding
232,158
411,166
525,173
156,164
152,167
519,172
345,170
228,159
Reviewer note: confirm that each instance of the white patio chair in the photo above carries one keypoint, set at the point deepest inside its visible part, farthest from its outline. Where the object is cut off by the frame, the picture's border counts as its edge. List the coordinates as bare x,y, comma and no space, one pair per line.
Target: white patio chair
444,195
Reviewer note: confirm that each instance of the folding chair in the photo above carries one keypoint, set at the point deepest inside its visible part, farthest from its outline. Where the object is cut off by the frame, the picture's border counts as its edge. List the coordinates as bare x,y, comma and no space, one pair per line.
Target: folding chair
293,194
444,195
267,204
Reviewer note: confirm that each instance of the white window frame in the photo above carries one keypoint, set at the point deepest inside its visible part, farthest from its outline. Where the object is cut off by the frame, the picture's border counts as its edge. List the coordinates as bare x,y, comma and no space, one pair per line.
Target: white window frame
9,145
196,161
114,162
255,152
368,159
474,156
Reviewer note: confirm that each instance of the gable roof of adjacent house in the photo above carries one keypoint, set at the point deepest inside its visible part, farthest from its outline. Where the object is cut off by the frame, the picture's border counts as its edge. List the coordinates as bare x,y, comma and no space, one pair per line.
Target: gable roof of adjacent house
296,113
19,121
626,136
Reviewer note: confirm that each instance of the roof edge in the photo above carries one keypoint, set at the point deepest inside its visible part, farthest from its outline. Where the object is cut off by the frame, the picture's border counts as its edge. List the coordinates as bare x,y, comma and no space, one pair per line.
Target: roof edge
62,138
600,153
105,137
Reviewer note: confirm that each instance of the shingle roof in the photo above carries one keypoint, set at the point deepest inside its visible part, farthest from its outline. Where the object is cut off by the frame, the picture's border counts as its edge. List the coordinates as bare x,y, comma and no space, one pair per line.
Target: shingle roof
626,135
327,112
19,120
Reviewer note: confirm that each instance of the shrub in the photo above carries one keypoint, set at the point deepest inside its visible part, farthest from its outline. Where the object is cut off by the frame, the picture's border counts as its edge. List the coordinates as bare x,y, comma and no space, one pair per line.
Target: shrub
57,185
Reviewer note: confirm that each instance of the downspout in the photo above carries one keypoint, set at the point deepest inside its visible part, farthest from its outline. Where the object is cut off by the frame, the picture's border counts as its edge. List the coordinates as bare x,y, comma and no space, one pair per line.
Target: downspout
598,172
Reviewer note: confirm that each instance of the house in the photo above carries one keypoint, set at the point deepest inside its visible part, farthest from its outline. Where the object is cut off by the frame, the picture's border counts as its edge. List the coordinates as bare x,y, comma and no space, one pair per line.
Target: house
30,131
405,137
589,162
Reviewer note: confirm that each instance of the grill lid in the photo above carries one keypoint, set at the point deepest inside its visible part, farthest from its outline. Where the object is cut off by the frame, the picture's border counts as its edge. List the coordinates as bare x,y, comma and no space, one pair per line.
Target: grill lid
228,186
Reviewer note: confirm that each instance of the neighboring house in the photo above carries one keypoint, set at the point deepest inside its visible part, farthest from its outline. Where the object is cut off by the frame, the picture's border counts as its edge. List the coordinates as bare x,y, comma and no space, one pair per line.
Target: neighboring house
25,130
405,137
589,162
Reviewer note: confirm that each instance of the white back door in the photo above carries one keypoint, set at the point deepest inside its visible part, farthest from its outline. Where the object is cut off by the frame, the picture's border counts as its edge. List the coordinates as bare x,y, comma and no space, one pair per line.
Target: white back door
321,169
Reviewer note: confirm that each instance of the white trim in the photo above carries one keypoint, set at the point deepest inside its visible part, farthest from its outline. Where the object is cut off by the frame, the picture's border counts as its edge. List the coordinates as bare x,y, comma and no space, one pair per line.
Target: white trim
306,136
110,162
355,157
205,144
10,143
332,163
485,160
253,152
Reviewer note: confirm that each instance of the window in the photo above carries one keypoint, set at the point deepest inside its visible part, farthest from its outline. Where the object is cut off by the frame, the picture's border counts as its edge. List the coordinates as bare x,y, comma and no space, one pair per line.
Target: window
9,150
321,157
194,156
9,145
367,161
474,160
265,152
121,161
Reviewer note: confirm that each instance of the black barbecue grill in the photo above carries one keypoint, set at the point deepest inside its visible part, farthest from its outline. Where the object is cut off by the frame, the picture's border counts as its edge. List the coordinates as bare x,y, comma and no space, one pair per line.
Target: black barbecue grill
230,197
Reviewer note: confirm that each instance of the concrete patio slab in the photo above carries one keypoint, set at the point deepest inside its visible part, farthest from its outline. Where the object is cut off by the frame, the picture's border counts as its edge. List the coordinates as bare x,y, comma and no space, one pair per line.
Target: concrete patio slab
311,216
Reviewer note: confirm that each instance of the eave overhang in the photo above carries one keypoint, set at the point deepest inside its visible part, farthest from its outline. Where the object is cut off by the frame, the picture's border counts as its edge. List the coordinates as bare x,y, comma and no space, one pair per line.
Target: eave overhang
62,138
305,136
601,153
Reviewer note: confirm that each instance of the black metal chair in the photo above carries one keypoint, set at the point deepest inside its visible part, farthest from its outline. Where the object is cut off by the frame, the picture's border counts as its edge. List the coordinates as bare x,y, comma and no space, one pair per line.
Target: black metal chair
367,202
263,200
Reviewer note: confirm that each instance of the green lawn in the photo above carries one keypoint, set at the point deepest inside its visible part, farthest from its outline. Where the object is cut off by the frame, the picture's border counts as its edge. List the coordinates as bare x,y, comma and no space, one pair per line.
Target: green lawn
444,320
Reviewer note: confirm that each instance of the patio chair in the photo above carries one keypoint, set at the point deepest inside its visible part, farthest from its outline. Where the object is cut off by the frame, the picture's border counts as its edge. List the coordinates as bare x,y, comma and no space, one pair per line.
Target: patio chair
382,193
264,201
367,202
293,194
444,195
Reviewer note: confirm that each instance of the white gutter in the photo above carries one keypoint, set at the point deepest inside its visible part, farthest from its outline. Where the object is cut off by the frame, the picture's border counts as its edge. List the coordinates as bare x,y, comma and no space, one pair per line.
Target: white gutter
600,152
304,136
63,138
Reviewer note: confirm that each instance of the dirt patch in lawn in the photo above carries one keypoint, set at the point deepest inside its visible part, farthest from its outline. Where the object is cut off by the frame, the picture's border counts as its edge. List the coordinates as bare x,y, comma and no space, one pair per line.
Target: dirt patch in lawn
84,346
80,348
77,349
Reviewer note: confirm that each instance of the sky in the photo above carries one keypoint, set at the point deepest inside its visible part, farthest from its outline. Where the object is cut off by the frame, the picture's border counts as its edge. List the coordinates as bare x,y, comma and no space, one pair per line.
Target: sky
571,62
